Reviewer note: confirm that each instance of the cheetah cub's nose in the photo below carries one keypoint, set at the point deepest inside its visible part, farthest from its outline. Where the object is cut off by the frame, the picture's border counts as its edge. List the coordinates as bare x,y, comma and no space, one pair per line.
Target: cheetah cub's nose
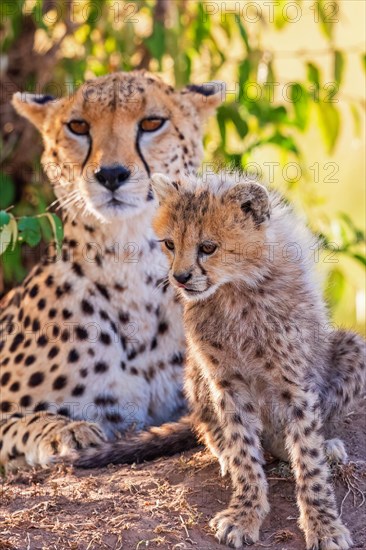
182,278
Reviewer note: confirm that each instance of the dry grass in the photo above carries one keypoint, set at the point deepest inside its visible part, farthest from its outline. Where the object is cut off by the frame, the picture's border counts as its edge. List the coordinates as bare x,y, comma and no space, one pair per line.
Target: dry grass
353,476
162,505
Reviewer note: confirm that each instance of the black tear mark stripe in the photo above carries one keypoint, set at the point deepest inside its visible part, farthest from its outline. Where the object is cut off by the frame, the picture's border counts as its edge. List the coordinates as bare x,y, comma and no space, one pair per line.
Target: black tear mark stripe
88,153
139,152
203,270
58,139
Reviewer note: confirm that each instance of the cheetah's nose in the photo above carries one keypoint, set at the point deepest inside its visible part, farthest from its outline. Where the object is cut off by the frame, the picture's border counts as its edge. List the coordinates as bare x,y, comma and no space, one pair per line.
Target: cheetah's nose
112,177
182,278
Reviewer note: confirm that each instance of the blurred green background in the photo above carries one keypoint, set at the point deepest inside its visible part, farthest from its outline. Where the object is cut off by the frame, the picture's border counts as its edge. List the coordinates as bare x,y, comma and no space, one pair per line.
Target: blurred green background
294,110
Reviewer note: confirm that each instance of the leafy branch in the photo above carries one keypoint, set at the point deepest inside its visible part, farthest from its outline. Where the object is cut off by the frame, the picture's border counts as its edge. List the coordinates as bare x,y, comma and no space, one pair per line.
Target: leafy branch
28,229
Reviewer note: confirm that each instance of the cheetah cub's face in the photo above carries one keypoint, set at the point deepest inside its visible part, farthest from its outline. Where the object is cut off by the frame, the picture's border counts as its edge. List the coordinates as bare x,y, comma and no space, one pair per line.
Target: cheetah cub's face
103,141
213,232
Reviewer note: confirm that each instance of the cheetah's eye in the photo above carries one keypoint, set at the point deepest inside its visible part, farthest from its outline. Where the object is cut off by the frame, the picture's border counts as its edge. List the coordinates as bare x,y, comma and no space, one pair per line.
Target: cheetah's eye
151,124
78,127
169,245
207,248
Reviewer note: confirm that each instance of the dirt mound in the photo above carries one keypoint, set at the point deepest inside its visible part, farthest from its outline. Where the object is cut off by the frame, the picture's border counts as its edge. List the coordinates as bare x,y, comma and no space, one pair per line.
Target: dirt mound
165,504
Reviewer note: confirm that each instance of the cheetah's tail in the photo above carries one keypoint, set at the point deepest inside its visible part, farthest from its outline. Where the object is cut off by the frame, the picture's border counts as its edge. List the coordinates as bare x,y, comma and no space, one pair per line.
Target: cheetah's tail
165,440
346,375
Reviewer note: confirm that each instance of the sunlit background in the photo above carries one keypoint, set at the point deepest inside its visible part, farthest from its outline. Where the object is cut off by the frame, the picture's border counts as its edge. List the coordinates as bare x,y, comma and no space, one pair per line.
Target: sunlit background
294,111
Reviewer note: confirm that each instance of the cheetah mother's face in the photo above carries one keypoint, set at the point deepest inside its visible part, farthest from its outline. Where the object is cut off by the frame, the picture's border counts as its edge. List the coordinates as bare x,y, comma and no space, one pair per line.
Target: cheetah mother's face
103,142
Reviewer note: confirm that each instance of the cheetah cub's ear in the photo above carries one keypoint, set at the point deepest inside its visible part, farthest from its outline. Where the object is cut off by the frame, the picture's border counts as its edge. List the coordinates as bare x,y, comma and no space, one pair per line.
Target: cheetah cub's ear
253,199
163,187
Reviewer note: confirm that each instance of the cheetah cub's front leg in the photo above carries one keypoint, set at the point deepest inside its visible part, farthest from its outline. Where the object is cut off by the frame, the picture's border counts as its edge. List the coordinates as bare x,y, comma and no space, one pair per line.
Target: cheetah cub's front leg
239,524
319,518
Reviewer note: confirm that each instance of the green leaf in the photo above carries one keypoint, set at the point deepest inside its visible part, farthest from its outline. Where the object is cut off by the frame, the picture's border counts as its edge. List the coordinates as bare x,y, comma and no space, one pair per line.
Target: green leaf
328,16
183,69
313,74
7,188
243,33
46,229
360,257
358,233
13,269
57,228
156,42
29,230
300,100
221,121
335,286
277,114
5,237
339,62
244,72
329,120
95,13
240,125
280,21
4,218
201,26
363,61
285,142
8,233
356,119
230,112
14,230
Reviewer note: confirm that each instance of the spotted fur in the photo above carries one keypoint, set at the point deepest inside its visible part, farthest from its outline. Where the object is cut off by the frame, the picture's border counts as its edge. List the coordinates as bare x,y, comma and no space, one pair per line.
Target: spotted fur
264,367
92,342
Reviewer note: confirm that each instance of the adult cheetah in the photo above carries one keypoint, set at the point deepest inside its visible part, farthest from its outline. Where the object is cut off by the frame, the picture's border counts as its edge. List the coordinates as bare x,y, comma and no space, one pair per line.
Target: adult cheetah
92,342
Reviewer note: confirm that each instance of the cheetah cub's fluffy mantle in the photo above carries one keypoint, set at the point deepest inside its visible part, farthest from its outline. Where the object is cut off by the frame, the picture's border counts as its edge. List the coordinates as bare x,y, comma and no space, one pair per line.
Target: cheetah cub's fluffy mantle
263,365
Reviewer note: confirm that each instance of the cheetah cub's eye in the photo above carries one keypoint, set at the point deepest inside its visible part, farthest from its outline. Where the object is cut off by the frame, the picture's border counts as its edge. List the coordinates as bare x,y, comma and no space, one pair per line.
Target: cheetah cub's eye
207,248
78,127
151,124
169,245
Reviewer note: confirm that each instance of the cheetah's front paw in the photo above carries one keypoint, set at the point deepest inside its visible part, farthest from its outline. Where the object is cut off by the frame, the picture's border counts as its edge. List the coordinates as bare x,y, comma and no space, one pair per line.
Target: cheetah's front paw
70,439
329,537
236,528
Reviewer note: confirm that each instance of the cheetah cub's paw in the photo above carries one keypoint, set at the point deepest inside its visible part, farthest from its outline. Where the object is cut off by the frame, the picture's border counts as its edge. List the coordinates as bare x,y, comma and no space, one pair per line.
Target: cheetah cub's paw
329,537
236,528
336,451
66,443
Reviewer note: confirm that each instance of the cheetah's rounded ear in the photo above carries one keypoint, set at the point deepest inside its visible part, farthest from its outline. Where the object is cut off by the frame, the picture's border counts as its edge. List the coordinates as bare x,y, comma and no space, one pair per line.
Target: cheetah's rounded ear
253,199
34,107
206,97
163,187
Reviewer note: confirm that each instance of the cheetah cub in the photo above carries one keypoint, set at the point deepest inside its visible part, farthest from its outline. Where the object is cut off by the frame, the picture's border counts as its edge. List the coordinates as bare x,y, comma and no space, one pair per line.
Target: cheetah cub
264,367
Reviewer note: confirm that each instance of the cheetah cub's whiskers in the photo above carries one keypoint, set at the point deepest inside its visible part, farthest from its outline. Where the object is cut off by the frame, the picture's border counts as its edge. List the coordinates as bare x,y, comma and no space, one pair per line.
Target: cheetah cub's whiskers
264,368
